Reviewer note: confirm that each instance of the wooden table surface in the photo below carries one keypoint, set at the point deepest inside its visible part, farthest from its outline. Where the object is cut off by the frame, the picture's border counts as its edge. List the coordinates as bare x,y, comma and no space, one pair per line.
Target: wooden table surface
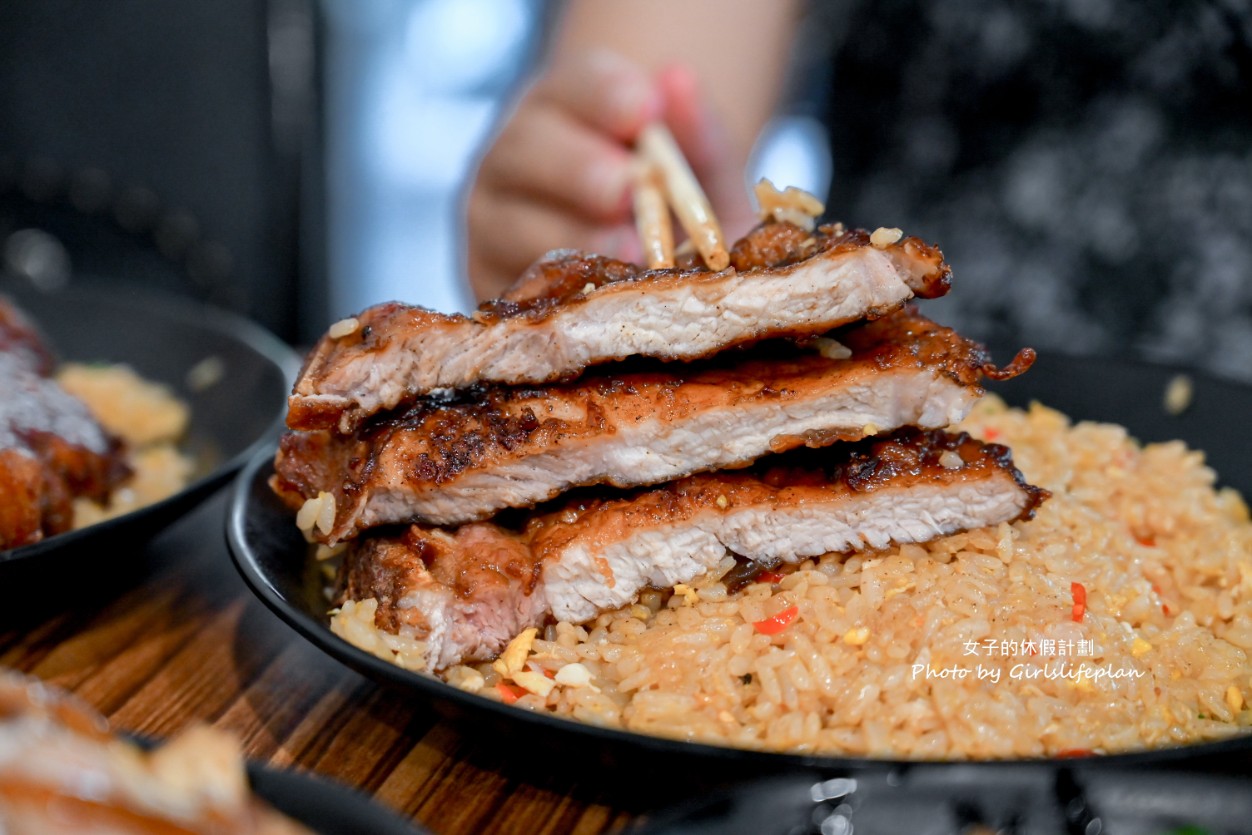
186,641
182,640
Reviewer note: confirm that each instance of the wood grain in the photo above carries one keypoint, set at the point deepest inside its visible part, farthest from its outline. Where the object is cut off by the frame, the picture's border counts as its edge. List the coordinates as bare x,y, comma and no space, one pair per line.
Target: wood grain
185,641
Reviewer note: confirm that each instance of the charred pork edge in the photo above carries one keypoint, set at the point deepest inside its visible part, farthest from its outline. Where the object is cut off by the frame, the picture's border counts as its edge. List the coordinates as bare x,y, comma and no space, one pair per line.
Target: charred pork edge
930,400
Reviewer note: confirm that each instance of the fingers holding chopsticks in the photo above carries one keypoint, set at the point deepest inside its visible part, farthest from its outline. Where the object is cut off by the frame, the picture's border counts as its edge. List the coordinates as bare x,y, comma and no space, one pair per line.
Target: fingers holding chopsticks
658,150
551,157
560,173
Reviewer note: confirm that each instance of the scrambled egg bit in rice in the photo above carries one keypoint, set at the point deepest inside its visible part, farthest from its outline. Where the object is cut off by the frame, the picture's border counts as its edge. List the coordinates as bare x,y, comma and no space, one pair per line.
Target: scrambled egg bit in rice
149,418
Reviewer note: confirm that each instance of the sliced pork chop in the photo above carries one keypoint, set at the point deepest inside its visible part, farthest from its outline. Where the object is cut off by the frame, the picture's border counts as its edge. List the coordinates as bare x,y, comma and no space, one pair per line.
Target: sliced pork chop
574,310
465,459
462,594
465,593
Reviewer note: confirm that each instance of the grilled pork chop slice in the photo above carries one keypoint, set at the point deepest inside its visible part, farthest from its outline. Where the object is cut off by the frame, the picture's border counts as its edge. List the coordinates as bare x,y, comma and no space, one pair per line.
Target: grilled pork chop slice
465,593
464,459
575,310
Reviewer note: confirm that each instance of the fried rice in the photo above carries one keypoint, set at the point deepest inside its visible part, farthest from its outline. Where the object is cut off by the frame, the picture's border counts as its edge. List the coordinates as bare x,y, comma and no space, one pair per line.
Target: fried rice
149,418
1116,620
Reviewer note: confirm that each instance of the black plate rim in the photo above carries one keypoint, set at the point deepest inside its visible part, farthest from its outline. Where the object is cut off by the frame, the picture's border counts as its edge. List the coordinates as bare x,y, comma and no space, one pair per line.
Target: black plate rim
227,324
317,633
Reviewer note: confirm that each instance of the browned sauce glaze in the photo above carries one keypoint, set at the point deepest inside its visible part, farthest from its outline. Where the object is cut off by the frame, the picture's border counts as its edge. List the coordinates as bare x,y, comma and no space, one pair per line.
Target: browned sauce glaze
902,458
435,440
52,449
394,353
474,558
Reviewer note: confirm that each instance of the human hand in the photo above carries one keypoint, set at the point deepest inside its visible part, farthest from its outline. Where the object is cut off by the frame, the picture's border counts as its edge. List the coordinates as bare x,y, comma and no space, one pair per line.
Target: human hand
558,174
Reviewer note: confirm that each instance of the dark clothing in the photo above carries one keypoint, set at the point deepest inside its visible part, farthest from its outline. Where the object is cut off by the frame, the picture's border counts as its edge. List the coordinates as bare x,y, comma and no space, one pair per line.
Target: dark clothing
1086,165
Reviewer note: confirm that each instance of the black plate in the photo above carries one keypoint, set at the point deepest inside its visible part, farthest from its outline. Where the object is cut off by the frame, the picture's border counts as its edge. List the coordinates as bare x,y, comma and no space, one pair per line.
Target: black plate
272,556
325,806
162,338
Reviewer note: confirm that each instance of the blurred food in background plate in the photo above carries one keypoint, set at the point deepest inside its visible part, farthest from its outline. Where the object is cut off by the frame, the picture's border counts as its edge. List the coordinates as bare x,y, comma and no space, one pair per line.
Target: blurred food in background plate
81,444
180,393
62,771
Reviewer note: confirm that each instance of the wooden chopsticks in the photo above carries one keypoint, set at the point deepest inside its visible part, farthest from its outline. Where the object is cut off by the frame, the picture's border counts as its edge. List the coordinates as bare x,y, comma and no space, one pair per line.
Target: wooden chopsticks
664,177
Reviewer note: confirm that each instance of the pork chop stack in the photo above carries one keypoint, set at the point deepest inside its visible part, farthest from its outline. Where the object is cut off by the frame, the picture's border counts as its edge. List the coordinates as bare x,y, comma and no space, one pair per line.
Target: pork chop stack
609,428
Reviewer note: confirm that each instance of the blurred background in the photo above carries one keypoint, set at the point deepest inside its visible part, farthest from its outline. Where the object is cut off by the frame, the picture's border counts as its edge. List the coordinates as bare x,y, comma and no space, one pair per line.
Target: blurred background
1086,166
297,160
170,144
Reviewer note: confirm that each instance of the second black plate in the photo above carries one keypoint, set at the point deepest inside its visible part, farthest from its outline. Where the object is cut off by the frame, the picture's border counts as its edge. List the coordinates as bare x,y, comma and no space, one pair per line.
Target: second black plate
163,338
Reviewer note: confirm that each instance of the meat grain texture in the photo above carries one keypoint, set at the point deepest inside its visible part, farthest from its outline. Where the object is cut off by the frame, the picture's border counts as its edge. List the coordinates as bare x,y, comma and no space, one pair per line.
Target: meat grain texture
464,458
593,310
466,593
